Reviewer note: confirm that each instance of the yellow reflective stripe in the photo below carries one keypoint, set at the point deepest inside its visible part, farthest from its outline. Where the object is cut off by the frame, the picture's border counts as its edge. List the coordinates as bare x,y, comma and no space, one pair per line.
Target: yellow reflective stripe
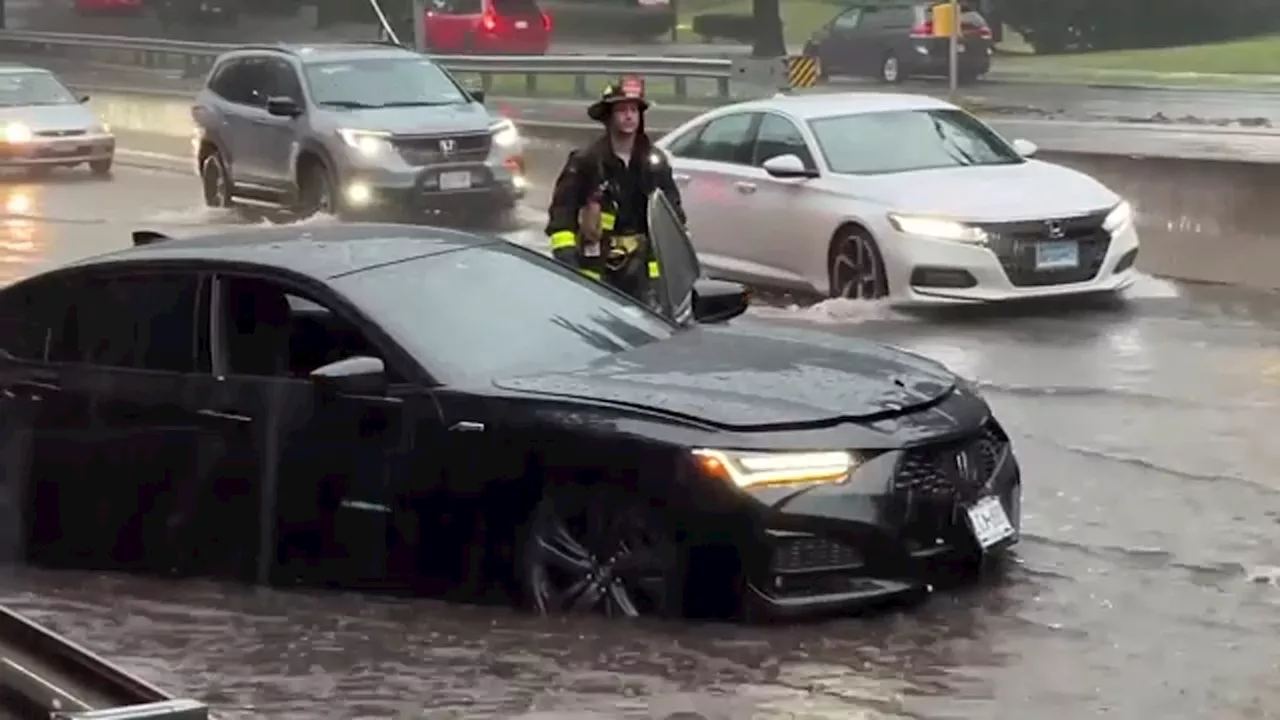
563,239
653,269
607,221
593,274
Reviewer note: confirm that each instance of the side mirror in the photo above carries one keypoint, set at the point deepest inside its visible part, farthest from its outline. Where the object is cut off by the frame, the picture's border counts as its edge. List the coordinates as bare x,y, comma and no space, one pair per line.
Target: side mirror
359,375
283,107
1025,148
717,301
787,166
477,95
83,99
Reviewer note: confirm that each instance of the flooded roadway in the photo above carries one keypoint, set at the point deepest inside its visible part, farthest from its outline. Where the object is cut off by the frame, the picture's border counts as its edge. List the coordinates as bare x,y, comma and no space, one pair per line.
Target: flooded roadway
1146,586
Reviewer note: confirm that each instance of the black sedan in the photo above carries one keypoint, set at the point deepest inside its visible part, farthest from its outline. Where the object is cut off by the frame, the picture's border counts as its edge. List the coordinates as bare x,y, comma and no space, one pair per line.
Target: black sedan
409,408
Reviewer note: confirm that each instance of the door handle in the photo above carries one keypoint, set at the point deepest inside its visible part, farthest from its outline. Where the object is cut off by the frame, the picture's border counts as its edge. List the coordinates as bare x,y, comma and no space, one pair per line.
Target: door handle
745,188
682,179
222,415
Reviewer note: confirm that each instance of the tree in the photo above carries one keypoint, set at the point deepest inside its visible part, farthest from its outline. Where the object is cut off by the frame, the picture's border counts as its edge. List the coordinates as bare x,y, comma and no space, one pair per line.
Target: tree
769,41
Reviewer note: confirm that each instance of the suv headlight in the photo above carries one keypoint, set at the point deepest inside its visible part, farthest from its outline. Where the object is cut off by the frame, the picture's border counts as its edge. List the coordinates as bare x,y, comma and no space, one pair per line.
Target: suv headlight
505,134
1120,216
940,228
368,143
753,469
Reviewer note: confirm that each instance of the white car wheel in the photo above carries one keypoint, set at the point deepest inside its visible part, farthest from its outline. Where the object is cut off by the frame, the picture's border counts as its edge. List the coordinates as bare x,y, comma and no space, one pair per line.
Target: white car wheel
855,268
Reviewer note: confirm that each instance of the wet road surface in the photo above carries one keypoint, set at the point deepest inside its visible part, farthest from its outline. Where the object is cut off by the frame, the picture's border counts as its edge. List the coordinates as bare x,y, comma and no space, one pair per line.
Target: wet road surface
1146,586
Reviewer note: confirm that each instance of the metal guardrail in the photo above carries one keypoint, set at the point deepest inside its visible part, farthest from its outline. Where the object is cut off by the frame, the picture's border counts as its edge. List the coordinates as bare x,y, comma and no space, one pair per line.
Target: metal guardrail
193,59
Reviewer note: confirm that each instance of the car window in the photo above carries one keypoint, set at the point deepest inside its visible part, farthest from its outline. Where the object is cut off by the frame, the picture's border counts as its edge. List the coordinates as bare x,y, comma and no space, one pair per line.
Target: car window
848,19
904,140
146,322
408,80
30,312
284,80
726,139
779,136
515,7
453,311
896,17
683,142
245,81
455,7
33,88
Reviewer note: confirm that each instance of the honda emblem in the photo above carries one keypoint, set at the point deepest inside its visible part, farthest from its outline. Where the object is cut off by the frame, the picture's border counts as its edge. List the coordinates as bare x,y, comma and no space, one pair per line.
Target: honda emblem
1055,230
446,146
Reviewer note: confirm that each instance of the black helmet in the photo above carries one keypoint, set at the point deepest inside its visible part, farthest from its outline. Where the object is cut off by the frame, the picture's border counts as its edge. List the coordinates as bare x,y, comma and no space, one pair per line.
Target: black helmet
628,89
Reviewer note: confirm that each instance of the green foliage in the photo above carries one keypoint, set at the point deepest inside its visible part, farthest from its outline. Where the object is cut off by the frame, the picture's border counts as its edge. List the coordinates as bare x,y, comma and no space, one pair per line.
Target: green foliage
1066,25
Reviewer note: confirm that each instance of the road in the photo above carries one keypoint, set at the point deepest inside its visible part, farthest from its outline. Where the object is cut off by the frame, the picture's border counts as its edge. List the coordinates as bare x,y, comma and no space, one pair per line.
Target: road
1148,584
1051,99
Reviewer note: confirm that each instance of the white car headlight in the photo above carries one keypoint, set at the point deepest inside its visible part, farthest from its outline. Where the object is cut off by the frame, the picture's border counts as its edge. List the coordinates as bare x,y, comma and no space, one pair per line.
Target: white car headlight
747,469
1120,216
940,228
369,143
505,134
16,132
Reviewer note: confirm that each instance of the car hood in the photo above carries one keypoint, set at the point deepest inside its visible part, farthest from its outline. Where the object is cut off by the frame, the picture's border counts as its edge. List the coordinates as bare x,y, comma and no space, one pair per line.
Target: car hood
50,117
755,378
462,118
1027,191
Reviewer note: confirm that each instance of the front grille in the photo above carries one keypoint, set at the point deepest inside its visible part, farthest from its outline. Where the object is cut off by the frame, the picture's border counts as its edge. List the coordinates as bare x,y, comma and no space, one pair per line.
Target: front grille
1014,244
956,470
800,552
60,133
439,149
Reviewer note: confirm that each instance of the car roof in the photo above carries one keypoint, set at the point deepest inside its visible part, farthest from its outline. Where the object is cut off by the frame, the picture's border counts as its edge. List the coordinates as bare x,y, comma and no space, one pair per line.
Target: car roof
329,52
318,252
14,68
810,106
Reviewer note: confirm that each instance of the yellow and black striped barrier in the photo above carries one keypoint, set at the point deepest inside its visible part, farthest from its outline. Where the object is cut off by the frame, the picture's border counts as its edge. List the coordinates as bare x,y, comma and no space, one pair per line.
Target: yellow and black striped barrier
802,71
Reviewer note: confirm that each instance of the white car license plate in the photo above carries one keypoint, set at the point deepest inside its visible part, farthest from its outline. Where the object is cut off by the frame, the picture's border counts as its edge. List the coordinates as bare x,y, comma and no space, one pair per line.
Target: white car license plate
989,522
522,25
1057,255
455,180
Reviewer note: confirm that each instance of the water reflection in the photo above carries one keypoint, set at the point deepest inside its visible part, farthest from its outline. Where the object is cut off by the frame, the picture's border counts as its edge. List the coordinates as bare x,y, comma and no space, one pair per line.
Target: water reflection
21,239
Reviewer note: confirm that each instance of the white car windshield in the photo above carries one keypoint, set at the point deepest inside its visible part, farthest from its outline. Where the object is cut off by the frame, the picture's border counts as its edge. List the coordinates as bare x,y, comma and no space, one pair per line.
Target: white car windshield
33,88
905,140
382,82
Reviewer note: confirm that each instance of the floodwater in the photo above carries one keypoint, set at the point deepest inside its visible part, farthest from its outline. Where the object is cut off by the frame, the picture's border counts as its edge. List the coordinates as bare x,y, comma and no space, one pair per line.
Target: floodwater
1147,584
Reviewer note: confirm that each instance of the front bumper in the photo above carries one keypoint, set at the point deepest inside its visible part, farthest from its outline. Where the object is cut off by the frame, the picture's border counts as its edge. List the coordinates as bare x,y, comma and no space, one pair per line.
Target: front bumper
424,192
933,272
71,150
839,548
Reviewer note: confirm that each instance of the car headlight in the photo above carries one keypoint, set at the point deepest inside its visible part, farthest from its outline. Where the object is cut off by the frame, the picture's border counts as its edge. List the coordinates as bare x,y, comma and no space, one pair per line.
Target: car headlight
368,143
747,469
1119,216
103,128
505,134
17,132
940,228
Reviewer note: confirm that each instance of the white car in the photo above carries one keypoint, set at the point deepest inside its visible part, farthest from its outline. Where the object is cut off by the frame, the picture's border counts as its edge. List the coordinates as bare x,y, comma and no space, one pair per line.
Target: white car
44,125
873,195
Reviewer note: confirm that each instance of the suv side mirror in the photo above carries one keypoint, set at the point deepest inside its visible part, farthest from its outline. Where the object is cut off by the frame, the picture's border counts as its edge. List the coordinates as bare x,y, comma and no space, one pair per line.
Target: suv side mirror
1025,148
787,166
358,375
82,99
477,95
717,301
283,107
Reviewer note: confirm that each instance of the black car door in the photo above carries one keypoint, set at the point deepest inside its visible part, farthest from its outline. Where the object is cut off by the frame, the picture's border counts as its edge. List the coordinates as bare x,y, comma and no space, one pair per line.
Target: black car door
676,257
291,389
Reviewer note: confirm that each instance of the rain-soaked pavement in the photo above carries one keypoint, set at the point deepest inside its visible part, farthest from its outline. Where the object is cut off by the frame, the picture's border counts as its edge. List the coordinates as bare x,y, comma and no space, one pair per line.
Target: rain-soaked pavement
1146,586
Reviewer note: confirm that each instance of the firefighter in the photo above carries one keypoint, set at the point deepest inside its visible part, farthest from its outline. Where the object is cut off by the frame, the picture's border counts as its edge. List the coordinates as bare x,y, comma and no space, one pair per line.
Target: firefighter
597,219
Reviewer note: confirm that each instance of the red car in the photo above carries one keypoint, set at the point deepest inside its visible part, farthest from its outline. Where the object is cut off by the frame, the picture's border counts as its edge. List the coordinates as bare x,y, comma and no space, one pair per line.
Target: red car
487,27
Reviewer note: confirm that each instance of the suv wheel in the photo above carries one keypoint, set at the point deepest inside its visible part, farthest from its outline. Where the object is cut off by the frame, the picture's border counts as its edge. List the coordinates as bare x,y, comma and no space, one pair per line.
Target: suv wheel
315,191
215,181
891,69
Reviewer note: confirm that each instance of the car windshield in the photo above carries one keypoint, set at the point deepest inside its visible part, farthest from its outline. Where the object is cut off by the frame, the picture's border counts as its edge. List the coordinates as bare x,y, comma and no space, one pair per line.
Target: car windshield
382,82
904,140
476,314
33,88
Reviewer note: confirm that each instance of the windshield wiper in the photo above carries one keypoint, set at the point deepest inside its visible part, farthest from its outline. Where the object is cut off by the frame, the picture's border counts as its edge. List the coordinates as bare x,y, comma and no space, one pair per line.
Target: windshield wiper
349,104
421,103
954,150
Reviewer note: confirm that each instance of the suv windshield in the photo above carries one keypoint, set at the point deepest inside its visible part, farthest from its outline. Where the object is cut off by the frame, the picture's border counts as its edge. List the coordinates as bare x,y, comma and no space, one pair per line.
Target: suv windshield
904,140
476,314
382,82
33,88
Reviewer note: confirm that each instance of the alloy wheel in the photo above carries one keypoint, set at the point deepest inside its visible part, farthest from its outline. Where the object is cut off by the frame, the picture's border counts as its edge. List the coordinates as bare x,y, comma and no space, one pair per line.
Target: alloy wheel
216,192
889,71
856,271
595,556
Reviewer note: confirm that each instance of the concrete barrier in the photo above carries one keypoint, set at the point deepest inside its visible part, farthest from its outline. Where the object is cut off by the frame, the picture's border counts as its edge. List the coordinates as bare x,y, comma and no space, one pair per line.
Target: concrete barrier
1203,219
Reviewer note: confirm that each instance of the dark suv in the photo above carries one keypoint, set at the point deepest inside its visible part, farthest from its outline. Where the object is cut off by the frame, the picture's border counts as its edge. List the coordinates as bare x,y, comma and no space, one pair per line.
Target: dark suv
357,130
894,41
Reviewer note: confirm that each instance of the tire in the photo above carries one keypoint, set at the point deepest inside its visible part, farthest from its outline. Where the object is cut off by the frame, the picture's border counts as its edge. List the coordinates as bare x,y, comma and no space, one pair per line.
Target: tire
101,168
891,69
855,268
594,550
215,181
315,191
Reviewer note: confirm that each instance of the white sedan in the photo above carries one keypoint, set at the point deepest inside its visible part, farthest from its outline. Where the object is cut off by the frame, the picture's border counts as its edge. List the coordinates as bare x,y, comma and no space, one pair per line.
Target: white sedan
874,195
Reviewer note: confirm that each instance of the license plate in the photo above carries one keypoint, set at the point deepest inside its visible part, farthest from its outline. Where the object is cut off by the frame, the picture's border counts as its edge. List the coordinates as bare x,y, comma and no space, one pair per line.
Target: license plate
1057,255
989,522
455,180
522,25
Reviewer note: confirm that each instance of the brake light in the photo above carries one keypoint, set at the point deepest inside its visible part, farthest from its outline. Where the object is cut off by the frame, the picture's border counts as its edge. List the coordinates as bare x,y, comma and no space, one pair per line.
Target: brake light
489,21
546,22
984,32
922,30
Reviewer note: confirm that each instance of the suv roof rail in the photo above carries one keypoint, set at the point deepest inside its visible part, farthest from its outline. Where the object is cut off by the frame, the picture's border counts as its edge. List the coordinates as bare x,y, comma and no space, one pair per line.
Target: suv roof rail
276,47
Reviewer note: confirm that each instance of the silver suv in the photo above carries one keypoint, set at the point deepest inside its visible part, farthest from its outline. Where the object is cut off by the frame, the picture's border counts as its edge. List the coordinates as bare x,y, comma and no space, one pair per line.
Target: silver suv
368,131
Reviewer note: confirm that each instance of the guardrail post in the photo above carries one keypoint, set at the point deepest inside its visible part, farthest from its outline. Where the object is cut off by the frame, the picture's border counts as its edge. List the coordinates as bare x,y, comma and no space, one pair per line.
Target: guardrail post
580,86
486,83
722,88
682,87
531,84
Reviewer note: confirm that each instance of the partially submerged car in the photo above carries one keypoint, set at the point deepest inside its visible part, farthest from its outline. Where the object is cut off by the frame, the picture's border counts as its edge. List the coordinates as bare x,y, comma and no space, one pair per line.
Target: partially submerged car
373,405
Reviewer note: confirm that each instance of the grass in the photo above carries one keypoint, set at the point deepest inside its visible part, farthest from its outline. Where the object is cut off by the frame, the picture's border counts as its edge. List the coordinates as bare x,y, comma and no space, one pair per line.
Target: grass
662,90
800,18
1253,56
